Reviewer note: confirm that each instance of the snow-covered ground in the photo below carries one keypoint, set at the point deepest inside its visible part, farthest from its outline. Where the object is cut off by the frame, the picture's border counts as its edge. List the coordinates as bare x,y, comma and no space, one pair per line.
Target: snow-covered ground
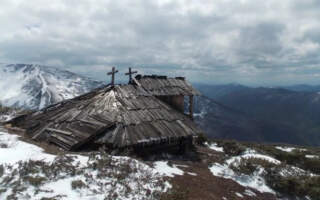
26,172
163,168
255,180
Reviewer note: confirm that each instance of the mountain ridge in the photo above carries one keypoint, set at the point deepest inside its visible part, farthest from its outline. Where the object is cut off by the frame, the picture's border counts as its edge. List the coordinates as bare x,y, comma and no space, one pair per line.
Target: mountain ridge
36,86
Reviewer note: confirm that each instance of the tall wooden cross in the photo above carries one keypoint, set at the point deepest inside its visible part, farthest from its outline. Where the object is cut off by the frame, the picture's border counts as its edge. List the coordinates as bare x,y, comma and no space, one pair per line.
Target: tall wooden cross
130,74
112,73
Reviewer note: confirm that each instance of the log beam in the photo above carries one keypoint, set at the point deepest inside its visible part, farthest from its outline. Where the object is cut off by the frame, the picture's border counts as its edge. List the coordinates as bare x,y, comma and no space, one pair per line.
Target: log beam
191,107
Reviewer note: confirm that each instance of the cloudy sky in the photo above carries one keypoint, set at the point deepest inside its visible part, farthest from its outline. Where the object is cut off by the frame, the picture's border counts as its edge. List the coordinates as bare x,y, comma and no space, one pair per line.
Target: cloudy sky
253,42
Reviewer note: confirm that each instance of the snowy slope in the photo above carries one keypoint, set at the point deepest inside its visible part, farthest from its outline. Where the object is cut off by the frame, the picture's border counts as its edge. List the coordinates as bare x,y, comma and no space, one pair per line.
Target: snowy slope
35,86
38,175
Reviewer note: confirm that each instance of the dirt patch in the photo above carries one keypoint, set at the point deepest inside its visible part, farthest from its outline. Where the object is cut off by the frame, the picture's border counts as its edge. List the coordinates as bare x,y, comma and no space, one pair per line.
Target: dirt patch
199,183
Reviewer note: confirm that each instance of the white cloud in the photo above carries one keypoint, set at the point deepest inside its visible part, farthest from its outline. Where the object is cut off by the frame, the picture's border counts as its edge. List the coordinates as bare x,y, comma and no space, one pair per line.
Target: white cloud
207,40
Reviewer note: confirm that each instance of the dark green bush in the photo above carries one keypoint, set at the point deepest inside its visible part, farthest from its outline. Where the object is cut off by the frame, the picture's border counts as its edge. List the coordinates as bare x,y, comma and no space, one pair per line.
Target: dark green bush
35,181
1,170
202,139
295,185
249,165
296,158
77,184
232,148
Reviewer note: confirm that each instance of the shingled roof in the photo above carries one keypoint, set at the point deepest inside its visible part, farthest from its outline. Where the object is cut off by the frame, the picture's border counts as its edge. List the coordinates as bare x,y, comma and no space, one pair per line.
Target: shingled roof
164,86
120,115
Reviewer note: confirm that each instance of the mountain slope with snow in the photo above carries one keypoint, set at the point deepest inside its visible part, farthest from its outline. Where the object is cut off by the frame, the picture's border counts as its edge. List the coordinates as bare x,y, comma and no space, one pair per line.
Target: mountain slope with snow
36,86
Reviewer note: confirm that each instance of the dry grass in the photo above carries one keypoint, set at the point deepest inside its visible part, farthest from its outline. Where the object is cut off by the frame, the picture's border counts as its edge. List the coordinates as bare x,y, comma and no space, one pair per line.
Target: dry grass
119,173
249,165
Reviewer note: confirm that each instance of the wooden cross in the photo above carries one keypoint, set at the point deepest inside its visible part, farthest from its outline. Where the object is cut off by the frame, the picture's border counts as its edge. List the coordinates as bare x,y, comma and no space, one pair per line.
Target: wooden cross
130,74
113,72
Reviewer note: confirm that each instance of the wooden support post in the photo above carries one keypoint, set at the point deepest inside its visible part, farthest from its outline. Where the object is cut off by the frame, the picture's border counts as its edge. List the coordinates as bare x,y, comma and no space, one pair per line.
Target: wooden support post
112,73
130,74
191,106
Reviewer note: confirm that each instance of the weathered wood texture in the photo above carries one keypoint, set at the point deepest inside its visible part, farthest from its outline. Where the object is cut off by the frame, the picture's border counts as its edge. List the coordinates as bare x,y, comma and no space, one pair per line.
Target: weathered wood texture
119,116
176,102
164,86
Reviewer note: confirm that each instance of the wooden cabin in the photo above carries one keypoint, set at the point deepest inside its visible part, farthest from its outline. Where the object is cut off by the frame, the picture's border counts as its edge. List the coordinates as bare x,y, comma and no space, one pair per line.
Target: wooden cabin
116,117
170,90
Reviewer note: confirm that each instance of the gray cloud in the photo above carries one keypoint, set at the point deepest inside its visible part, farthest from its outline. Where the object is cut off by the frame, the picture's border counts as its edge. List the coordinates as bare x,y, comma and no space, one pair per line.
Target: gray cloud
247,41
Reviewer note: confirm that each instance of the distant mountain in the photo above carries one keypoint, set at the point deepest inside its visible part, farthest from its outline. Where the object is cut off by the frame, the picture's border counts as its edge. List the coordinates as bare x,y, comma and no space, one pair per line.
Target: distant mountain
220,121
280,114
298,112
303,88
35,86
216,91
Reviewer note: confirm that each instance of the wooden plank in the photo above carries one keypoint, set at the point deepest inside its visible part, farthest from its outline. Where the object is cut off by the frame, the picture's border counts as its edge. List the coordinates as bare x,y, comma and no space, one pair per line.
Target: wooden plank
186,128
78,133
118,128
136,81
59,143
64,139
39,133
59,131
92,121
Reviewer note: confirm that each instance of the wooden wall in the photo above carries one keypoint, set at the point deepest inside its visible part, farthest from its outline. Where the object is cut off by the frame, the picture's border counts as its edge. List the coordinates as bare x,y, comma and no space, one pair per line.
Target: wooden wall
176,101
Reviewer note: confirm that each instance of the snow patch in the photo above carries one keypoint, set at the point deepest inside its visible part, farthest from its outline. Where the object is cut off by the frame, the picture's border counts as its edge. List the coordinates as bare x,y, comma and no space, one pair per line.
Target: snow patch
249,193
239,195
121,176
17,150
286,149
249,153
163,168
215,147
312,156
6,117
202,114
255,181
192,174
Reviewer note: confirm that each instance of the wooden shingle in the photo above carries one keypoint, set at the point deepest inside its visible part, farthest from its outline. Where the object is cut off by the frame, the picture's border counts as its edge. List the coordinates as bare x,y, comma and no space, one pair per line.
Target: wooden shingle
119,116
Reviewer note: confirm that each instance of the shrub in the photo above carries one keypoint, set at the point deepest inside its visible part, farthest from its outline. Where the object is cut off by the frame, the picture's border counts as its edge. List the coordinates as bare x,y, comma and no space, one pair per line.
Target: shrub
296,158
77,184
3,190
2,145
1,170
249,165
175,194
296,185
311,164
232,148
35,181
202,139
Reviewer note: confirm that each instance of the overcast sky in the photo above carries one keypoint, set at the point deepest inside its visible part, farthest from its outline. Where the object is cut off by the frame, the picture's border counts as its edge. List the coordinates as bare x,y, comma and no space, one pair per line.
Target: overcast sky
253,42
